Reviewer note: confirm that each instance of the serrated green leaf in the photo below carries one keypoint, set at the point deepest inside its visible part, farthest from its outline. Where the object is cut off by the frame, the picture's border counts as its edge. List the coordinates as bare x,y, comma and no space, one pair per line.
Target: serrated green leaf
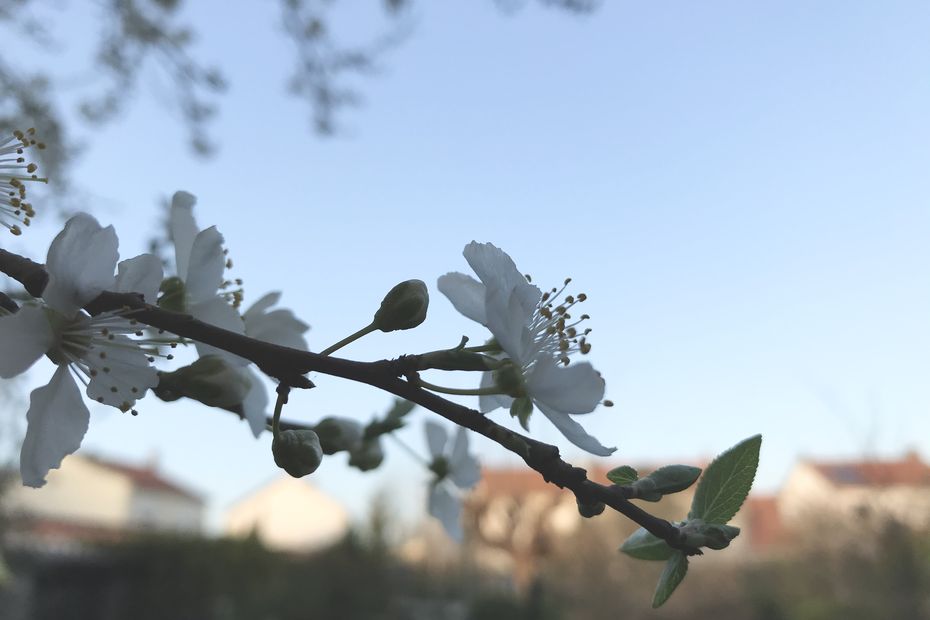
674,573
726,482
674,478
644,546
623,475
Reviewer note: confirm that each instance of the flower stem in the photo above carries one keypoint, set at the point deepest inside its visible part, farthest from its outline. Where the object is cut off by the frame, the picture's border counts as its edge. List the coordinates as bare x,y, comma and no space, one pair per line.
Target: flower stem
350,338
492,347
416,455
283,391
459,391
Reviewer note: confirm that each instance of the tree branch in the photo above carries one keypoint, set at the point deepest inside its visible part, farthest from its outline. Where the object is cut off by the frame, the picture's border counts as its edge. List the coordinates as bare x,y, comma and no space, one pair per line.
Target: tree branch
398,377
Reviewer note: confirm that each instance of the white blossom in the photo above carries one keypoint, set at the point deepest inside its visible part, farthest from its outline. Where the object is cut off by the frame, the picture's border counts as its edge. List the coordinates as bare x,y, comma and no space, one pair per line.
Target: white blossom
455,469
15,170
537,333
97,350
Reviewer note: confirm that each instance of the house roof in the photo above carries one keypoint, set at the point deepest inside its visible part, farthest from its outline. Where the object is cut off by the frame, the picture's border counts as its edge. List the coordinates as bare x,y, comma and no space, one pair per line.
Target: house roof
909,471
146,478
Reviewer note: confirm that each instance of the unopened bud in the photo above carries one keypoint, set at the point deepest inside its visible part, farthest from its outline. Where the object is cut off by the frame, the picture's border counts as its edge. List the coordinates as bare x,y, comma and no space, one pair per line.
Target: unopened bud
367,456
297,452
590,510
404,307
339,434
210,380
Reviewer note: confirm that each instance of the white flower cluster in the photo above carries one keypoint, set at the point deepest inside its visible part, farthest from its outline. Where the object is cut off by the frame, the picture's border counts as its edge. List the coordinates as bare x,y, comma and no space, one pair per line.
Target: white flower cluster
534,339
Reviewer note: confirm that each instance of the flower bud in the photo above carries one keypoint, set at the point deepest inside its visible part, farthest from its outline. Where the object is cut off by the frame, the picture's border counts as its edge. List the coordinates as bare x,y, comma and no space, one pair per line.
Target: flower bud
404,307
367,456
297,452
590,510
210,380
339,434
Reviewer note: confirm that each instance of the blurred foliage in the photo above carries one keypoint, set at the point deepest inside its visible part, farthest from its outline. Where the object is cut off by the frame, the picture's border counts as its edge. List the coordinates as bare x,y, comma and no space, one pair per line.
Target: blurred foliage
152,42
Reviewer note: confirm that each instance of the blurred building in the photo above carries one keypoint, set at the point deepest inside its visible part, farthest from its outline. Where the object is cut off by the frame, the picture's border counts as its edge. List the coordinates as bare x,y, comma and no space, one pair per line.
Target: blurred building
288,514
514,520
90,499
864,491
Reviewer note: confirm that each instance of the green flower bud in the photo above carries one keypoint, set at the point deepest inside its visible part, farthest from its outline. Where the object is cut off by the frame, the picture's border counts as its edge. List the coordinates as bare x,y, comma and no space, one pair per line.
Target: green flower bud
172,294
367,456
404,307
297,452
590,510
210,380
339,434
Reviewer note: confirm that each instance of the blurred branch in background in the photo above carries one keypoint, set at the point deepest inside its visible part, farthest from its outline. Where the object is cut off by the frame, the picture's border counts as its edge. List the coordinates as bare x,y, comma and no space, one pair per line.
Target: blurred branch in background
143,41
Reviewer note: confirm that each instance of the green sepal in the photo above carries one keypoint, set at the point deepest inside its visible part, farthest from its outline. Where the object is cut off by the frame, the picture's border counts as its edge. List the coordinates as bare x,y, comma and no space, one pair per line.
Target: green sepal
173,294
521,408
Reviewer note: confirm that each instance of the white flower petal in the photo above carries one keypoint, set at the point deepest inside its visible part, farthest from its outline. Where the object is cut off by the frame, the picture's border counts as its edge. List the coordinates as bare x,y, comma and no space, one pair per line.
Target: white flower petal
255,404
207,262
56,422
508,320
80,264
26,336
446,507
498,271
278,327
264,303
490,402
574,432
216,311
120,373
183,230
436,438
141,274
463,467
466,294
577,388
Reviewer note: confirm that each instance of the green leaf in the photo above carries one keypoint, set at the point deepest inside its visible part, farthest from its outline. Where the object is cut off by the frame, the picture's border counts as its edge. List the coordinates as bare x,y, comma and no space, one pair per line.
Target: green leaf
726,482
645,546
675,570
674,478
623,475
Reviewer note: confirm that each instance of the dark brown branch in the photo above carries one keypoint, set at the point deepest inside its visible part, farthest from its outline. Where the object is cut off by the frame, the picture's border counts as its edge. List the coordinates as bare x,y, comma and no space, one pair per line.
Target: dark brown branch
395,376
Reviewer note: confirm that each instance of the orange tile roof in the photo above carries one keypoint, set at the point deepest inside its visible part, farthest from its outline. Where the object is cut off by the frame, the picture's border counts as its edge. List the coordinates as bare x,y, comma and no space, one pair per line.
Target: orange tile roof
910,471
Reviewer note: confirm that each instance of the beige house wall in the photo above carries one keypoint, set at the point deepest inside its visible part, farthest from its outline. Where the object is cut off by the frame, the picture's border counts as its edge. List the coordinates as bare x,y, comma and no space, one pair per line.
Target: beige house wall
80,492
290,515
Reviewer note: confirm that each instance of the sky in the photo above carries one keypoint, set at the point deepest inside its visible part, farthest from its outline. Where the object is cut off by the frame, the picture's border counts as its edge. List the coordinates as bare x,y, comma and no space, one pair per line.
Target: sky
741,190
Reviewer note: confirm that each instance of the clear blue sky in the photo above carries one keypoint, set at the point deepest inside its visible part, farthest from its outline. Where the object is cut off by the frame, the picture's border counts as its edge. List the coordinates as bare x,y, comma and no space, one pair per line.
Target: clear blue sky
740,188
